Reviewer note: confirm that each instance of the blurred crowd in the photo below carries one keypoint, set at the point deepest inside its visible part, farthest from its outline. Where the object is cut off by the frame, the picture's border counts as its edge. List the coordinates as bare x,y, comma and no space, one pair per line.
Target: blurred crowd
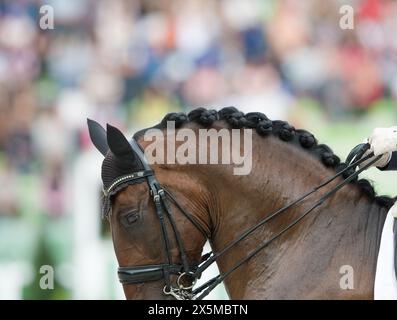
130,62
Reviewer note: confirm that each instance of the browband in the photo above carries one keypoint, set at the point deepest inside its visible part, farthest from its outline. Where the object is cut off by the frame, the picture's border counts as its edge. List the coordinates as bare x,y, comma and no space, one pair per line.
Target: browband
128,177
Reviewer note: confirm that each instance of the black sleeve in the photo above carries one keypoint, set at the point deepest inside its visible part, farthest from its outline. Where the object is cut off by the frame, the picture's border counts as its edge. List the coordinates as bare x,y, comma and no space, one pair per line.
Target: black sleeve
392,165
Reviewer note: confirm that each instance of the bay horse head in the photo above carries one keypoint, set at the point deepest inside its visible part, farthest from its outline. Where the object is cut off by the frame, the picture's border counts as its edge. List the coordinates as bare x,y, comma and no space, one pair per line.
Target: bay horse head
162,214
163,248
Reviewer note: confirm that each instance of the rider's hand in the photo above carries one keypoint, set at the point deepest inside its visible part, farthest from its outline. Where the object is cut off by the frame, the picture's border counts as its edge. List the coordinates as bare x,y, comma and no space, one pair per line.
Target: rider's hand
383,140
382,162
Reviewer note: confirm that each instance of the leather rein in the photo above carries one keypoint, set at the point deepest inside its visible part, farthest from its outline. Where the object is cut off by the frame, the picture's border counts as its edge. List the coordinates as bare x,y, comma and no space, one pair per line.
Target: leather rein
190,273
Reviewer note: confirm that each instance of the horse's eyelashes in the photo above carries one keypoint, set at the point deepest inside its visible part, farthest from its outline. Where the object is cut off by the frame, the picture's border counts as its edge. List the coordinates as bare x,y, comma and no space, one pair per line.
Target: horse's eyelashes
132,217
129,218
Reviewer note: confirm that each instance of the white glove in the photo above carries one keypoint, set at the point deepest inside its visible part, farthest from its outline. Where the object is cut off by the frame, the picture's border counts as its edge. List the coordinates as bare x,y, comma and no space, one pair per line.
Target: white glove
382,162
383,140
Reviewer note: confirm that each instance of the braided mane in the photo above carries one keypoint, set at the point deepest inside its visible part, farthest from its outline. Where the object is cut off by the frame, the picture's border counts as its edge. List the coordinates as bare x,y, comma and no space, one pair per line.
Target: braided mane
281,129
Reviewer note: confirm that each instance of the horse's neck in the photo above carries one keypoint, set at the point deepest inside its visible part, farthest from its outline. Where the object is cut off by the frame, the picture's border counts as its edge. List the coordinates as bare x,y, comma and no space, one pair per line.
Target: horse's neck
307,261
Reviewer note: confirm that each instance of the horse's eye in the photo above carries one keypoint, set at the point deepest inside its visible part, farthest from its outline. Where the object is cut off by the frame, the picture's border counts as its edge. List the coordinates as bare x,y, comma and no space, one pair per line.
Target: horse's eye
130,218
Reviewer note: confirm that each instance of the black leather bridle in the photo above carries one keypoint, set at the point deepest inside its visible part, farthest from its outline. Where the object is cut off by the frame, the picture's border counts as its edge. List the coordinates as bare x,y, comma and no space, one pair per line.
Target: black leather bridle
189,273
139,274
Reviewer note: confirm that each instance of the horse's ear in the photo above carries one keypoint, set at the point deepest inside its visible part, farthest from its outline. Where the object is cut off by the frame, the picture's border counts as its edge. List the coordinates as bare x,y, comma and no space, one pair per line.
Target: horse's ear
119,144
98,136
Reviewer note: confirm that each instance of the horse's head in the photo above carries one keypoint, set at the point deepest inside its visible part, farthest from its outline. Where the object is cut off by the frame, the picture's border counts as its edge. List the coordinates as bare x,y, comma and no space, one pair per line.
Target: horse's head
155,242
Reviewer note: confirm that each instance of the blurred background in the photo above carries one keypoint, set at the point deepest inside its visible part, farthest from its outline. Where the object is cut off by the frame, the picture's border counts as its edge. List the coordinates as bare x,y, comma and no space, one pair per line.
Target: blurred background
130,62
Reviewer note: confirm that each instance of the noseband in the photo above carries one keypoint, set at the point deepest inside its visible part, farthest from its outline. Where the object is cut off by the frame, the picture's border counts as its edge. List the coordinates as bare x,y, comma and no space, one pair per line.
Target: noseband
189,273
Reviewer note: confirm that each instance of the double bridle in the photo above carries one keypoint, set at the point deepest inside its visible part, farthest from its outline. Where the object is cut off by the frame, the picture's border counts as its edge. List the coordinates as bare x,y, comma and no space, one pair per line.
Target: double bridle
186,273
